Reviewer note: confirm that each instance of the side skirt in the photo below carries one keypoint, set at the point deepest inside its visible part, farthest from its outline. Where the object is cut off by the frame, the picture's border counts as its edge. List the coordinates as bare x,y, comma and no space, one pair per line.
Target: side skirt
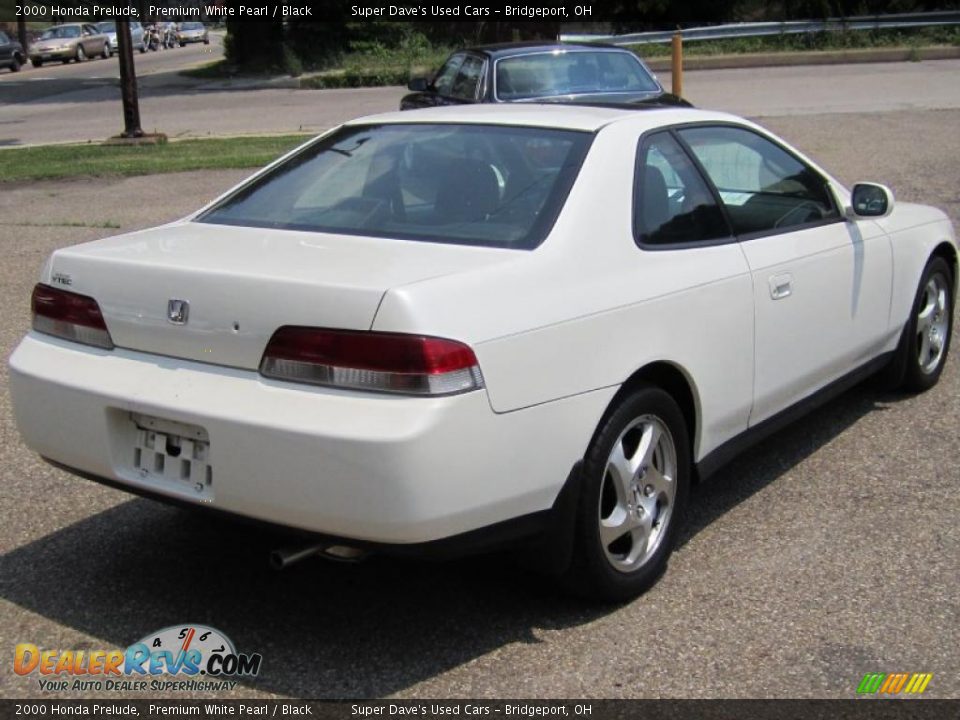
750,437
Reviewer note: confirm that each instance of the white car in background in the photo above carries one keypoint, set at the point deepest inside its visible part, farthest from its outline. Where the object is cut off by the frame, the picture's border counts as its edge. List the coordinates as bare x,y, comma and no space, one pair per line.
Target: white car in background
444,329
109,29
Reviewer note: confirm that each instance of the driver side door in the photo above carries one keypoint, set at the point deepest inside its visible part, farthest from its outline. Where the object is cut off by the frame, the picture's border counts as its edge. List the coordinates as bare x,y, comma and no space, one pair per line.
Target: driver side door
821,283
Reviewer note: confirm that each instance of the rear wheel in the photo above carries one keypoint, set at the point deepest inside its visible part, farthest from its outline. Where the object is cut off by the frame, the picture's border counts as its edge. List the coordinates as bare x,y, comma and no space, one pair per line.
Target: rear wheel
928,331
636,478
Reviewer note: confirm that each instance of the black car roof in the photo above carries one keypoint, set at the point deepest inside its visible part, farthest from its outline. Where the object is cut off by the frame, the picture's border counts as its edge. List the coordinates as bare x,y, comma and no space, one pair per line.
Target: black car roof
499,50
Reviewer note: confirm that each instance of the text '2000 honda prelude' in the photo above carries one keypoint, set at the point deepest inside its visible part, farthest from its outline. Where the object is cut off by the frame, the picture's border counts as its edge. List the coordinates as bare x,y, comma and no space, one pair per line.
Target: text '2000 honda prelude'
464,326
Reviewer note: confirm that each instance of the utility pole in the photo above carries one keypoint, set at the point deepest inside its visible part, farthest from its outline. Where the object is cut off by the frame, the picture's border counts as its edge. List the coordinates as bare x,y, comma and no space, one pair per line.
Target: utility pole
22,35
128,82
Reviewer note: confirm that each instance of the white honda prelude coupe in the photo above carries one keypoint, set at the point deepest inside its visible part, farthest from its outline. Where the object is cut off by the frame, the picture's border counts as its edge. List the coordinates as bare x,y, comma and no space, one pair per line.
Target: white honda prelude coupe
454,328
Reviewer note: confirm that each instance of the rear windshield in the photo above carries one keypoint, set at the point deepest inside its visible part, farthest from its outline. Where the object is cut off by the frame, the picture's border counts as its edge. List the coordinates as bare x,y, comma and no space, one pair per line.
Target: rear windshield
485,185
579,72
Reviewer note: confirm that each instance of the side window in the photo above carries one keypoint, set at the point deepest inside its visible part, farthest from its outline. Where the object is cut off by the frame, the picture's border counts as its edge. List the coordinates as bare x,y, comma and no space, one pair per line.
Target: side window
468,79
763,187
443,82
672,203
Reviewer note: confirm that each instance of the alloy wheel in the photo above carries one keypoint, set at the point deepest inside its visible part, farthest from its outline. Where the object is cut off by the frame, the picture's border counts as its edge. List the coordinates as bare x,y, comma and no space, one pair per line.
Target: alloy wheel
932,324
638,493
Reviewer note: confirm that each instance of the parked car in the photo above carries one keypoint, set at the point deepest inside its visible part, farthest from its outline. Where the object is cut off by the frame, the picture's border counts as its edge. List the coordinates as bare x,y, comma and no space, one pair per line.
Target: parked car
109,29
526,72
69,42
11,53
193,32
474,325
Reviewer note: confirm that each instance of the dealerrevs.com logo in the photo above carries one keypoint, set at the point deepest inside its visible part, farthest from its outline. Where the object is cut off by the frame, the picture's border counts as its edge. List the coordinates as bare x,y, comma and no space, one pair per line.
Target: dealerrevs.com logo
180,657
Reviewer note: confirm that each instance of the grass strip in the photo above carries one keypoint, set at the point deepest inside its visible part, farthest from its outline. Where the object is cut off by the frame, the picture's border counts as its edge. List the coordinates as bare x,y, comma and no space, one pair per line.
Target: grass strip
95,160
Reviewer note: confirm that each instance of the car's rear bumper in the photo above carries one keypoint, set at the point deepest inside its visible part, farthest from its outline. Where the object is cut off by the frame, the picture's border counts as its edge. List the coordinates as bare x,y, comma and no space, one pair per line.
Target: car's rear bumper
374,468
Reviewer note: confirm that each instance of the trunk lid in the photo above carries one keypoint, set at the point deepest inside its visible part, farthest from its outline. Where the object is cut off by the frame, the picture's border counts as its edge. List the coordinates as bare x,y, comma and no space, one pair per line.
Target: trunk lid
242,283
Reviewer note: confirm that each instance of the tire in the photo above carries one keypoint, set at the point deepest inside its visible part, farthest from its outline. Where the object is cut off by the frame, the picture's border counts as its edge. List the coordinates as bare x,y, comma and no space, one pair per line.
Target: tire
81,55
636,480
143,47
925,342
107,52
15,64
36,62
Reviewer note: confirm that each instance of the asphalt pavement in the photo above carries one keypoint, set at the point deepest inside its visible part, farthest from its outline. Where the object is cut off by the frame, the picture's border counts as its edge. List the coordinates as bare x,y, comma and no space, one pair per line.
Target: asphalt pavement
80,103
831,550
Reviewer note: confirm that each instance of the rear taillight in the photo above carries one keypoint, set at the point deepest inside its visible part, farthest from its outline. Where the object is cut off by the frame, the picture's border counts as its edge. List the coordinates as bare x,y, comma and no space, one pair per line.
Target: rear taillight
70,316
382,362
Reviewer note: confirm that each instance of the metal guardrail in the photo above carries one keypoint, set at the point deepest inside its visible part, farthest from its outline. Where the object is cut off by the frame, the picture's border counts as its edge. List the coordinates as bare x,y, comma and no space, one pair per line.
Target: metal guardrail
760,29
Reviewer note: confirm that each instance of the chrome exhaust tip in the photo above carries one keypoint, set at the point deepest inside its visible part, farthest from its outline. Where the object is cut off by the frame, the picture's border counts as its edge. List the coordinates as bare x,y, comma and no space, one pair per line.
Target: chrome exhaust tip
285,557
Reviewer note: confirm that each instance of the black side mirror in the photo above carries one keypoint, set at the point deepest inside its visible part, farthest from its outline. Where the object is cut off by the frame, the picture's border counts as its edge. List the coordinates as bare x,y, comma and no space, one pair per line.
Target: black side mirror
870,200
418,84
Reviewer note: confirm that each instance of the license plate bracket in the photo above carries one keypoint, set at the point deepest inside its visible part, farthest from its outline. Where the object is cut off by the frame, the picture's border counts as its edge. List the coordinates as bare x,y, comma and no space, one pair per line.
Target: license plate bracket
174,455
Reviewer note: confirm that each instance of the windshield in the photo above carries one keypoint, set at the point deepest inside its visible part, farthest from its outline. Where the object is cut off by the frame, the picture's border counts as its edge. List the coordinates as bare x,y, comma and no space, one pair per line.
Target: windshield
191,26
572,73
488,185
107,27
64,31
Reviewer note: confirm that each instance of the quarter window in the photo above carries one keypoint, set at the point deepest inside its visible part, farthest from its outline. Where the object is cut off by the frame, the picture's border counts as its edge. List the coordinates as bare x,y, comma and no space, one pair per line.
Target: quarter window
672,203
763,187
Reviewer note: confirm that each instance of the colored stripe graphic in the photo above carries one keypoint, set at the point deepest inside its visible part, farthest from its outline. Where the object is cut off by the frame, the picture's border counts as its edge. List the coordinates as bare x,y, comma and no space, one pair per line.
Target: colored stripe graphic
894,683
871,682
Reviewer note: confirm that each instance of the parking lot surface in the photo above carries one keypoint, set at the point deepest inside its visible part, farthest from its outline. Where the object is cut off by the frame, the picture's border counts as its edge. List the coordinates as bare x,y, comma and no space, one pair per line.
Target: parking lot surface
831,550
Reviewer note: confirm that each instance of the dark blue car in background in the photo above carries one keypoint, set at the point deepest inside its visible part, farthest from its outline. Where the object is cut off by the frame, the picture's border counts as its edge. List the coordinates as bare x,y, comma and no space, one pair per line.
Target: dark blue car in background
538,72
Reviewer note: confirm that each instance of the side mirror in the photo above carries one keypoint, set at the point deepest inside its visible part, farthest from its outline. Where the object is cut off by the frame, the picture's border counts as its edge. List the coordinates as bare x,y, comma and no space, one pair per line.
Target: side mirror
418,84
870,200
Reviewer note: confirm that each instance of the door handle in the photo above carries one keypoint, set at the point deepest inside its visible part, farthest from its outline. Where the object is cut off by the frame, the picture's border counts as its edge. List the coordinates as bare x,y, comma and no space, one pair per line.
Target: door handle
781,286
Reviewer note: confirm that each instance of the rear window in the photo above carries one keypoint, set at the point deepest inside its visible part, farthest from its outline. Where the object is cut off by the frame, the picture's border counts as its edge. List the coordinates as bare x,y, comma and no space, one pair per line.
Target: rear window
580,72
486,185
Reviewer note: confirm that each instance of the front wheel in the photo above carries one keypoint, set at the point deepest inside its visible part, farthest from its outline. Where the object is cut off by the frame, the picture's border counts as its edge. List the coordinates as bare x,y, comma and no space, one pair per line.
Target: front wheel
636,478
15,64
927,335
107,52
81,55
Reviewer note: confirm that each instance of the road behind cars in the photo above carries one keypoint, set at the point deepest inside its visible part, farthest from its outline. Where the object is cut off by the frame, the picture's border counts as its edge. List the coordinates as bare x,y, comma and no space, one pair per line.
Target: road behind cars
829,551
185,107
